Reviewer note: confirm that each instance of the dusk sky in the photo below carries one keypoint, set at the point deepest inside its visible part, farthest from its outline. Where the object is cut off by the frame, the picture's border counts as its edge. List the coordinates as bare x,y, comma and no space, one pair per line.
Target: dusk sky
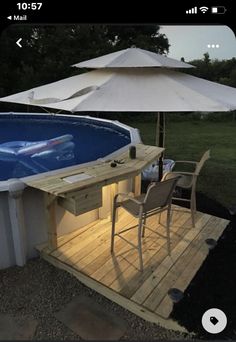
191,42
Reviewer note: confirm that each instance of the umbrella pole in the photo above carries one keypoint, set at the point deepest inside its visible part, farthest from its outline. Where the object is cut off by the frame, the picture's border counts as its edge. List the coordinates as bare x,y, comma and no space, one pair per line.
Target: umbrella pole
161,139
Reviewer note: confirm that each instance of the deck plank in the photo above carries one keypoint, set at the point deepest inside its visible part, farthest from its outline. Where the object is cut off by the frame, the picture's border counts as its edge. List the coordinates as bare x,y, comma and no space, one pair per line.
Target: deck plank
180,265
71,247
86,254
124,278
129,281
166,305
150,283
107,267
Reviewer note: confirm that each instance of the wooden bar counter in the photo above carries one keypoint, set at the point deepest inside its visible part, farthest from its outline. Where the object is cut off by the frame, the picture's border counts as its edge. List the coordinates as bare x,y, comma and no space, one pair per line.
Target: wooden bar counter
79,190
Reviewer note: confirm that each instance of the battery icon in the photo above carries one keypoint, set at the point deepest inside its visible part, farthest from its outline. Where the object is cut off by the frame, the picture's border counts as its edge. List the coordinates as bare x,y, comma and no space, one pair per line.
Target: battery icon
218,10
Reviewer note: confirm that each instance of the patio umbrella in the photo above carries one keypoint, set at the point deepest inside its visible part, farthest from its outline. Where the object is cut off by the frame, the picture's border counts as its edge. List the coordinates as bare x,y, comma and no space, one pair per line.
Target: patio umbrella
131,89
132,58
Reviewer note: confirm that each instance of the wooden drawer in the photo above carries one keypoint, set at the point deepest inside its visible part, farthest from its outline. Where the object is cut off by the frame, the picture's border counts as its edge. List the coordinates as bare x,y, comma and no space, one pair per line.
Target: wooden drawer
83,201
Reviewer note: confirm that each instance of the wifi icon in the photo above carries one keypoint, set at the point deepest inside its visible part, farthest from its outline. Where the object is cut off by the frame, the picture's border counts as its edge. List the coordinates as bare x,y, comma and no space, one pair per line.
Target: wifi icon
203,9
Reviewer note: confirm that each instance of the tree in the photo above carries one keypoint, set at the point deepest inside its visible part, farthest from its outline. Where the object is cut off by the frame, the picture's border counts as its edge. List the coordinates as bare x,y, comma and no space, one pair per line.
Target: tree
142,36
206,59
222,71
233,77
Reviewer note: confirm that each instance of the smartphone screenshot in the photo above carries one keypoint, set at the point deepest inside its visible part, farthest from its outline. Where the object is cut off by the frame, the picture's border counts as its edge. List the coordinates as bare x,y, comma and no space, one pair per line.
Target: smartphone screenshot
117,172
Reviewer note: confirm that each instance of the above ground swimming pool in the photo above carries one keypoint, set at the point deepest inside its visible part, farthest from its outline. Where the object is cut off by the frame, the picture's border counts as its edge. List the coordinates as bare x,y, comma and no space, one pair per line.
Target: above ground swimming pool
34,143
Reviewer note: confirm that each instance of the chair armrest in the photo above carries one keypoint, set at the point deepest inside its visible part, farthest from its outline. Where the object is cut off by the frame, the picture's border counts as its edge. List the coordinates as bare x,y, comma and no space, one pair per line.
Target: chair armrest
127,196
186,161
183,173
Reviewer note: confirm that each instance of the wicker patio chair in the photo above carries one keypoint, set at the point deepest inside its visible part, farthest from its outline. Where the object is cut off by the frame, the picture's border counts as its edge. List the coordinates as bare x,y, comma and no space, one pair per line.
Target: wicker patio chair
188,180
156,200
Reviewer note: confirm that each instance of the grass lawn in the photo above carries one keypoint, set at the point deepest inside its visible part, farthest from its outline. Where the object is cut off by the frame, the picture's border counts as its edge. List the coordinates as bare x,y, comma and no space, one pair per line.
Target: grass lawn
189,139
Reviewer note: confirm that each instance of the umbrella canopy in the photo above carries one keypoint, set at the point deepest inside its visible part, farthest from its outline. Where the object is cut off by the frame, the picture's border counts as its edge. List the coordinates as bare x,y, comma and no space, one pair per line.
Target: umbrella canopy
132,58
131,90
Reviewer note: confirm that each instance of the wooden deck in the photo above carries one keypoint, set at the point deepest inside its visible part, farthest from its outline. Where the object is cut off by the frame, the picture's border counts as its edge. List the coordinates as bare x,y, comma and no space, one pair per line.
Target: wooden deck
86,254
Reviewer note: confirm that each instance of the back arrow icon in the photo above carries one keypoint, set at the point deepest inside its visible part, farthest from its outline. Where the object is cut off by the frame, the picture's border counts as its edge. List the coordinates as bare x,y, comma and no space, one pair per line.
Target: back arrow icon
18,42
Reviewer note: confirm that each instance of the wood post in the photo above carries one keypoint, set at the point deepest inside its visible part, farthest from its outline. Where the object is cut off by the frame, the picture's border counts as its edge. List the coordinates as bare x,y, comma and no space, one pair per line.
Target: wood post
104,211
50,213
17,220
137,185
161,140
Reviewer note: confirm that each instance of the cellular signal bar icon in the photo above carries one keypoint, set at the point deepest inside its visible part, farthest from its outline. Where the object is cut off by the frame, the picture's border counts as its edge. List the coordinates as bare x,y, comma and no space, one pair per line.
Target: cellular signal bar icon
192,11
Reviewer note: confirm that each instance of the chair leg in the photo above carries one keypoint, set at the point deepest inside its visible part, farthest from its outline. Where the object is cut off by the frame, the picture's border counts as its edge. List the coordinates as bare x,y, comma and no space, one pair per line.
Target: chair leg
144,222
140,228
113,227
194,202
168,230
159,220
193,206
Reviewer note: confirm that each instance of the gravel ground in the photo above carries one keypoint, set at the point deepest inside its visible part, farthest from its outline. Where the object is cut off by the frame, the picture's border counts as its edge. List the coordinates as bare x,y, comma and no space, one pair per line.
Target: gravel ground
38,290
